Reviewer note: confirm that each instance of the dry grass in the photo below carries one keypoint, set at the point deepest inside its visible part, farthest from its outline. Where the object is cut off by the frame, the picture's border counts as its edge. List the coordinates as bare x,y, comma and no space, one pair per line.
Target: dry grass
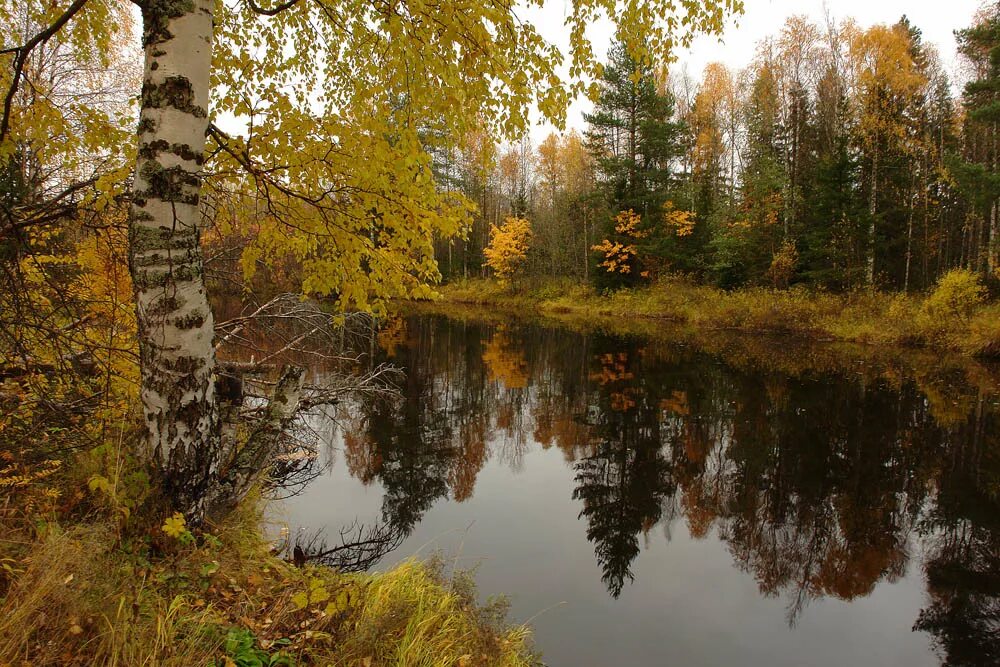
73,604
862,316
413,615
91,594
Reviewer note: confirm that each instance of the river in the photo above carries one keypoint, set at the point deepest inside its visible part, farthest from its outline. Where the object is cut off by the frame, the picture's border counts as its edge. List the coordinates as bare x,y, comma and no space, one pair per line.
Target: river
643,500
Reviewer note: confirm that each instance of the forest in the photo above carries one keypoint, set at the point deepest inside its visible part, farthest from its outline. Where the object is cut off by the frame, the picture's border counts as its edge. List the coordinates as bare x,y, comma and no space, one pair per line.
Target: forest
841,157
216,217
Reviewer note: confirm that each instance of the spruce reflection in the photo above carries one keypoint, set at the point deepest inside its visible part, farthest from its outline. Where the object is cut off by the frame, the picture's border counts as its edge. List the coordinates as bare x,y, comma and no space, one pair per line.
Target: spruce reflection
963,531
625,482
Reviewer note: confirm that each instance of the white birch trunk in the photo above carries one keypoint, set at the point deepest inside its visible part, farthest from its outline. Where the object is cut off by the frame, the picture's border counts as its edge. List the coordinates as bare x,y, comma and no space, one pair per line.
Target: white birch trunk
872,208
992,244
177,357
244,469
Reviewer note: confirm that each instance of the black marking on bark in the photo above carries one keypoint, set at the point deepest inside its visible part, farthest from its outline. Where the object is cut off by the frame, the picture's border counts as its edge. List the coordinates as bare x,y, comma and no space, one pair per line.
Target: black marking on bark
160,258
151,149
156,16
163,307
175,92
190,321
146,124
173,184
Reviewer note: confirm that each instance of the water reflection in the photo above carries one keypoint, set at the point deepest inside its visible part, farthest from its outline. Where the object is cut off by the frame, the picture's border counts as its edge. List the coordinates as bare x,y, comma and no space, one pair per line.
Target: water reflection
821,482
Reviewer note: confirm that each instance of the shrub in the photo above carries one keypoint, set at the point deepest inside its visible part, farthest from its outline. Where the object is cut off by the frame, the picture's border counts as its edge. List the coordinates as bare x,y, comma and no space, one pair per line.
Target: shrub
508,248
783,264
957,294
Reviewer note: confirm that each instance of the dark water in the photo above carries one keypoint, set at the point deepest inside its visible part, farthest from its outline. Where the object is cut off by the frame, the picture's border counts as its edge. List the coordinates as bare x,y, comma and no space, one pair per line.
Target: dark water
644,503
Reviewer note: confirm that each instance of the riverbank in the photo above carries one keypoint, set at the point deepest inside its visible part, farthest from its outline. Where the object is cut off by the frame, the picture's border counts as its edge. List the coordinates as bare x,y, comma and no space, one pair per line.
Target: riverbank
939,320
84,582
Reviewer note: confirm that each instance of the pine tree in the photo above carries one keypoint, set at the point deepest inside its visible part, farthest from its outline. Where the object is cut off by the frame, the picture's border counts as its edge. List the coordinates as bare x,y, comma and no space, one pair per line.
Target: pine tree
832,252
745,245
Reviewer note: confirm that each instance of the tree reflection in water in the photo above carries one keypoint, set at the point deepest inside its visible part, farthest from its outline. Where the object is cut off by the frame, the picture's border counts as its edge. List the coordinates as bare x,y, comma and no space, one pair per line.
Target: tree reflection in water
824,478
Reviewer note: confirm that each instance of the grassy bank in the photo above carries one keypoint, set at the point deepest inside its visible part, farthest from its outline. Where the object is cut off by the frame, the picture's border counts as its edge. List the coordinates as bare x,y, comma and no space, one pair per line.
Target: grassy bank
85,582
946,318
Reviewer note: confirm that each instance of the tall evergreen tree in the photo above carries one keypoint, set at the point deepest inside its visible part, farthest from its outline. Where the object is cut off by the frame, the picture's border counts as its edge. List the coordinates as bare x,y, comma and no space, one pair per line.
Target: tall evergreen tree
978,174
832,241
635,141
632,134
745,245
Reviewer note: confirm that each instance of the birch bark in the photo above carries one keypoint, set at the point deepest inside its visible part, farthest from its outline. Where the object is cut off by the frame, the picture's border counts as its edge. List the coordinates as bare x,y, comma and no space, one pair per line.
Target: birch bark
177,357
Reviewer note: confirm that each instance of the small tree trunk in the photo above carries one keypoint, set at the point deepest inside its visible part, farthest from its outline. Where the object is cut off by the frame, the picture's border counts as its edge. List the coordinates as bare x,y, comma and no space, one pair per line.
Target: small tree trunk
175,323
991,243
909,246
872,208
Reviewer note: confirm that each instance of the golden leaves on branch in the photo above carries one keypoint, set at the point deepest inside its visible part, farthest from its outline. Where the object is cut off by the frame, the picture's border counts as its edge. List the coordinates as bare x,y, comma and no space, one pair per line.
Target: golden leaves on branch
627,224
618,257
508,248
681,222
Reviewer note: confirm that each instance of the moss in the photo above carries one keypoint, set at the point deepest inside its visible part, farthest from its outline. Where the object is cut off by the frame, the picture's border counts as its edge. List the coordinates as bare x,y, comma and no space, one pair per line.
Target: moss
150,279
175,257
144,239
172,184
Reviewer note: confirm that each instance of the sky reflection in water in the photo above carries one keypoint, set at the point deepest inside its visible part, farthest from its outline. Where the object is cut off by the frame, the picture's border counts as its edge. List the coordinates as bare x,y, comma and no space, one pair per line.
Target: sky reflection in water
660,505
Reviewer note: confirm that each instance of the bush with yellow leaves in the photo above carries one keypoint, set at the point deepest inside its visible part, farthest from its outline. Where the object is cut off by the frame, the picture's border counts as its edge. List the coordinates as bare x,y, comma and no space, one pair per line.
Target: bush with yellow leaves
508,248
957,294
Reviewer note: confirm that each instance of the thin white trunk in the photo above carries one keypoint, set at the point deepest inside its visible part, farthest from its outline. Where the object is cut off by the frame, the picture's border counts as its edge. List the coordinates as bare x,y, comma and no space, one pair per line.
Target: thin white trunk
250,461
991,244
909,246
872,208
177,357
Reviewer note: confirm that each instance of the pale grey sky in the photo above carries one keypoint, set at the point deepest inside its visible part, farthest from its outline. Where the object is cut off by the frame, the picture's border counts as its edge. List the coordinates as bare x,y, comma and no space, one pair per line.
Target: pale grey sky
935,18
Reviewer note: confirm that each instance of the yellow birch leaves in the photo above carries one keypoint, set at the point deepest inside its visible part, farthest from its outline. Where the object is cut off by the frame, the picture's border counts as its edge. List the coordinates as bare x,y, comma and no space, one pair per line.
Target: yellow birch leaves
508,248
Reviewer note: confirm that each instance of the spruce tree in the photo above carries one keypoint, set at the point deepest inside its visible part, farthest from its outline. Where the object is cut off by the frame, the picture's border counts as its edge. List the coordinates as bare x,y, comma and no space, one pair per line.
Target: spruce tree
978,174
635,142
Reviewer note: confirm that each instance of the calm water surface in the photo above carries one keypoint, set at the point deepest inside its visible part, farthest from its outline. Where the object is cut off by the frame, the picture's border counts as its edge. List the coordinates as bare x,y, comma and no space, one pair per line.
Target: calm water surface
643,503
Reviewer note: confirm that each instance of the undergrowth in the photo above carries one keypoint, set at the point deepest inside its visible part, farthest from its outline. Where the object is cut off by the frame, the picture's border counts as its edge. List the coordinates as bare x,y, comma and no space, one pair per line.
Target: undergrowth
955,315
89,577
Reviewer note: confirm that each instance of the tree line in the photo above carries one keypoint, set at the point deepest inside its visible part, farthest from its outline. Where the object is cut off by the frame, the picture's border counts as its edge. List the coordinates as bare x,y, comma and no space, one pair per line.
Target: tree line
840,157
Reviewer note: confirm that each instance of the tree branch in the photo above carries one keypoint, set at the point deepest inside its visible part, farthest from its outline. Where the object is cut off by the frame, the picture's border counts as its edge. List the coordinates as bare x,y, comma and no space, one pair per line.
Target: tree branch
257,9
22,56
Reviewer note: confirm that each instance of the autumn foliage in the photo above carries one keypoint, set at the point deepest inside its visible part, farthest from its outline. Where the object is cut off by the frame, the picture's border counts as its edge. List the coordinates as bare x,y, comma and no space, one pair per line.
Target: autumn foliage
508,248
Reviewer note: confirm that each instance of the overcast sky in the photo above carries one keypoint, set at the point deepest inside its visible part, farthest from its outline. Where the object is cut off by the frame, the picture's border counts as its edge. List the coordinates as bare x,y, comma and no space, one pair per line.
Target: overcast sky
936,19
